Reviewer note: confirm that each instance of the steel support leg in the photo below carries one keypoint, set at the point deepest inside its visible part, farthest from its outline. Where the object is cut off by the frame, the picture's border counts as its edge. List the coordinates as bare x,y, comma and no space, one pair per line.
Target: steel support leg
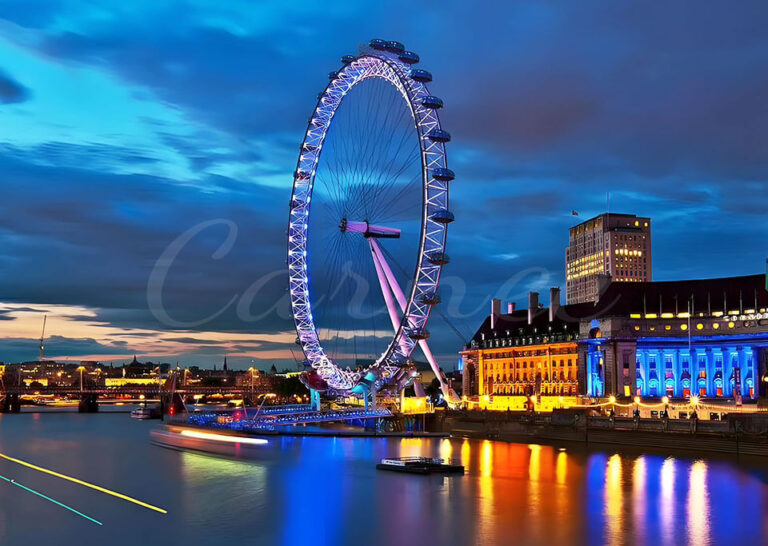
386,277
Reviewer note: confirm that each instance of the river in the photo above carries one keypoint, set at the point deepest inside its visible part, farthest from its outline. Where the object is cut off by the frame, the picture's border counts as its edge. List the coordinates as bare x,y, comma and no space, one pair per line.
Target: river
327,491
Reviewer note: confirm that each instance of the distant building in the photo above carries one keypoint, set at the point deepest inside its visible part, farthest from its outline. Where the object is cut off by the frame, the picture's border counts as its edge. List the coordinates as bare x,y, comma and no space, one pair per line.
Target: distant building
611,247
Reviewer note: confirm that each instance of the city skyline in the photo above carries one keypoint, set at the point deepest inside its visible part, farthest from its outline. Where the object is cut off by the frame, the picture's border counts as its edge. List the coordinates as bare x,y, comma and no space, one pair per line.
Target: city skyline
111,153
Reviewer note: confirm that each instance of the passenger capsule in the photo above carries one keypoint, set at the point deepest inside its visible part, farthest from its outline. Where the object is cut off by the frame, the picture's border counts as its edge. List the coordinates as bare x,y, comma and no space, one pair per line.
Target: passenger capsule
333,75
408,57
378,44
420,75
443,216
417,333
432,298
431,102
346,59
395,47
438,135
440,173
438,258
302,175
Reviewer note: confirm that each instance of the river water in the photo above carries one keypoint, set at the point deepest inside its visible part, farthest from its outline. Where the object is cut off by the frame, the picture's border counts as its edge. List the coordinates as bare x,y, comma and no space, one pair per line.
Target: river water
327,491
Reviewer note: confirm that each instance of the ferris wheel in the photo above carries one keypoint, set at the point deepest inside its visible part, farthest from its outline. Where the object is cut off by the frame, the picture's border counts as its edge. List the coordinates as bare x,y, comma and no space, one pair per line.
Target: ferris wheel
368,223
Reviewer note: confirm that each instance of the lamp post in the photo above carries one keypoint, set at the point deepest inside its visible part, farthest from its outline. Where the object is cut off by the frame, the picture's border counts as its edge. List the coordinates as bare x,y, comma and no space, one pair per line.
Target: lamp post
252,370
81,369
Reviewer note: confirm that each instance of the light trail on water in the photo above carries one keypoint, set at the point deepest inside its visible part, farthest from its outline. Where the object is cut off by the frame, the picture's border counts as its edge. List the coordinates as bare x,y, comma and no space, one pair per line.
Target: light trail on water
83,483
49,499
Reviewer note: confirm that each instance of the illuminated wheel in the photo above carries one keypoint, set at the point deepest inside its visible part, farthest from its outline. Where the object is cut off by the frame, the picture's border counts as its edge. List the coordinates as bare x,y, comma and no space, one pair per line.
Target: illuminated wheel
369,208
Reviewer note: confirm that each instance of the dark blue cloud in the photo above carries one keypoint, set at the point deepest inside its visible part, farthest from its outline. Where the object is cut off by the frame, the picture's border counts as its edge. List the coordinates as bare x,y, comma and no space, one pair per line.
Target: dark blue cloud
551,106
12,91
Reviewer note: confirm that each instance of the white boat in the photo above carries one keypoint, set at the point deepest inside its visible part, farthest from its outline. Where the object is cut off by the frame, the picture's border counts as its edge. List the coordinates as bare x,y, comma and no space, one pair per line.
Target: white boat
143,413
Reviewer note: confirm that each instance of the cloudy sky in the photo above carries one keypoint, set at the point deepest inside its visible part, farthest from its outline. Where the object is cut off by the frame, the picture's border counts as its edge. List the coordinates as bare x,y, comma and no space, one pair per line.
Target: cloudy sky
146,152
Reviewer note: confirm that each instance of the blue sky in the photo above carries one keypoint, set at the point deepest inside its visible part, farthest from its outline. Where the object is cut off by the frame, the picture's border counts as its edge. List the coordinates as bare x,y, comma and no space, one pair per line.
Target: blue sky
124,125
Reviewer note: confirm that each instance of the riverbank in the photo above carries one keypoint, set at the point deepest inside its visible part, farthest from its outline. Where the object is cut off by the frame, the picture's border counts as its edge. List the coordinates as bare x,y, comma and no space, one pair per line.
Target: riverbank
738,434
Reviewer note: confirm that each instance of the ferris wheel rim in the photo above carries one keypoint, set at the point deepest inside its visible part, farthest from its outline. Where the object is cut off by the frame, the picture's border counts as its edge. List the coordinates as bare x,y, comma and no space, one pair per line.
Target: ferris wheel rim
435,177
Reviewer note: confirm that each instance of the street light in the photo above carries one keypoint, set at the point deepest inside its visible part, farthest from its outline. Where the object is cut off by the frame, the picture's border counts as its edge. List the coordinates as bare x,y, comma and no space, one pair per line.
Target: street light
252,370
81,369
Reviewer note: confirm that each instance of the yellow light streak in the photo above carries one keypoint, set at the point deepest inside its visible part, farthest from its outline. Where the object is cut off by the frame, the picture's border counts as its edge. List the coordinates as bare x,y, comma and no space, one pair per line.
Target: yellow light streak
223,438
83,483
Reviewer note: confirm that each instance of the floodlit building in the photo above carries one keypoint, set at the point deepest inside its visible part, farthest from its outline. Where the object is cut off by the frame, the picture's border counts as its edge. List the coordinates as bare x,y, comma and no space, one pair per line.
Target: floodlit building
705,337
650,339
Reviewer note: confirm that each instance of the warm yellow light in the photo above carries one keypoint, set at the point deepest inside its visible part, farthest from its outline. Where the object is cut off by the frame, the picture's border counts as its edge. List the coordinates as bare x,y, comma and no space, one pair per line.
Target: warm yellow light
612,399
683,326
84,483
223,437
637,399
694,399
699,326
665,399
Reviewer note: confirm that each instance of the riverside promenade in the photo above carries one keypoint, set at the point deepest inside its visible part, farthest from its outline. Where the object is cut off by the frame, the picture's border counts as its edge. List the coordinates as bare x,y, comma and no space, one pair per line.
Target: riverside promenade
742,433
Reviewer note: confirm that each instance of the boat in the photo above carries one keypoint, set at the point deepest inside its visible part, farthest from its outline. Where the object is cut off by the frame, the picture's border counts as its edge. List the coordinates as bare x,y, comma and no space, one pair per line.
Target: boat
421,465
145,413
211,441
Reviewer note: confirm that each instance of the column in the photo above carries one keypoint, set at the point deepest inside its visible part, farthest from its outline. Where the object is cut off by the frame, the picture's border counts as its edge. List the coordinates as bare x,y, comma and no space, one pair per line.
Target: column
693,367
676,388
480,373
710,359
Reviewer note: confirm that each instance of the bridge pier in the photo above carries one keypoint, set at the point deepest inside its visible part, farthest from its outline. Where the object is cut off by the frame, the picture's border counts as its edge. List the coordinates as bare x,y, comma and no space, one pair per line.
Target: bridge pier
10,403
89,403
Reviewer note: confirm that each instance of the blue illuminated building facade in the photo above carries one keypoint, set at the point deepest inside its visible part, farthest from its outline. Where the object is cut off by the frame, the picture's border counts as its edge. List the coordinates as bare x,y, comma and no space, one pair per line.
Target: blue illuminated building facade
707,338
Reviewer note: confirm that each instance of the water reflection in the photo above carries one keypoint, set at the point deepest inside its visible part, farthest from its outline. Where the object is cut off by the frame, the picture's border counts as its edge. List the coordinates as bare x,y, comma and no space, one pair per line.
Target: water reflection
698,505
614,500
327,491
561,471
639,495
667,500
486,486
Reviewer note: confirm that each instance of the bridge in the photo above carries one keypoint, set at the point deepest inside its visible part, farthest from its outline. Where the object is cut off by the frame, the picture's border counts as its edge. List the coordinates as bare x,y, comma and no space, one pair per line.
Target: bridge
169,394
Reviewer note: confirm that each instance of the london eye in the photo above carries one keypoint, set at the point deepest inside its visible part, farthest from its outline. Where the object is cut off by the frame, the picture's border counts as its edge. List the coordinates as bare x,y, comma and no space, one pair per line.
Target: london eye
368,223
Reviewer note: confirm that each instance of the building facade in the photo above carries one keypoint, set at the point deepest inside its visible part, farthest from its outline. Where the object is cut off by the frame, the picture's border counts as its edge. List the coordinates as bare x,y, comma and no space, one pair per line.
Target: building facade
702,337
523,353
615,247
707,338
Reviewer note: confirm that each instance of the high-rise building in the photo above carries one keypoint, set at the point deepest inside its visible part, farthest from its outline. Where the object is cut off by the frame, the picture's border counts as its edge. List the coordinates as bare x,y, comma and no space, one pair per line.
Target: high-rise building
610,247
